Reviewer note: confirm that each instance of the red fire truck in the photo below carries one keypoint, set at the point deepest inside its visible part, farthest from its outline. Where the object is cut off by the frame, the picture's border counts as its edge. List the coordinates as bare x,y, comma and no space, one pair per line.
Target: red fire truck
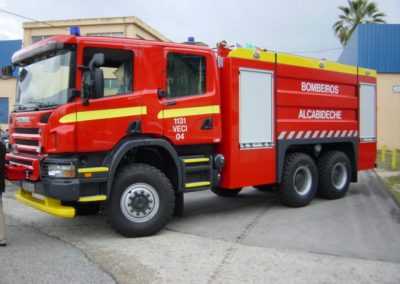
134,124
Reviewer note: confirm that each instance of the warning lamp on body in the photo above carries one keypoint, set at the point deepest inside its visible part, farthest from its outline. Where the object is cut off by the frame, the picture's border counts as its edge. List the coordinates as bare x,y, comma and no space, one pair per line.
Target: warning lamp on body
74,31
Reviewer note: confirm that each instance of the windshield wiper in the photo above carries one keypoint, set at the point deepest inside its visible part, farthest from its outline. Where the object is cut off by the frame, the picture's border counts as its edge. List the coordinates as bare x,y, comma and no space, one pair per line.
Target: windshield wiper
50,105
34,106
20,106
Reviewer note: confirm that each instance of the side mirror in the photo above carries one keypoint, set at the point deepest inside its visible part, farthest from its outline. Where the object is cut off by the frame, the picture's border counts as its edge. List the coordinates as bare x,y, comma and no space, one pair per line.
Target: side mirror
98,83
86,87
93,79
96,61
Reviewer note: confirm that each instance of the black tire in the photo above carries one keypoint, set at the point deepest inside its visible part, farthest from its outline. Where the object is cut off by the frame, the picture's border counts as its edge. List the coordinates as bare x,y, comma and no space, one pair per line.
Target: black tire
142,201
299,180
265,187
334,174
226,192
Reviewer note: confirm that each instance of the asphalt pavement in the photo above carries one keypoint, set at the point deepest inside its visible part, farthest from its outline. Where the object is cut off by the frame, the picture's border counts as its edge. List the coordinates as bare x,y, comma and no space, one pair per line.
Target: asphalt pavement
34,257
250,238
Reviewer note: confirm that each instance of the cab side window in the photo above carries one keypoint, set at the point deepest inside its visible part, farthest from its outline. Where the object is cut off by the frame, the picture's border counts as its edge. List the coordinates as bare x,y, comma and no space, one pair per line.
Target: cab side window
186,75
117,69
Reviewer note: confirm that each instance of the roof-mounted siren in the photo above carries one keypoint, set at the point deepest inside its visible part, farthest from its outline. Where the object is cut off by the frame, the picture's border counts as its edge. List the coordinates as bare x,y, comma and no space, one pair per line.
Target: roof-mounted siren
75,31
191,40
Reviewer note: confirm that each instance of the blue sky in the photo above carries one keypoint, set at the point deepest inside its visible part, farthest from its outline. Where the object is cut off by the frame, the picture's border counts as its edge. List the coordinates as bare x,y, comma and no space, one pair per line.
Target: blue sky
301,27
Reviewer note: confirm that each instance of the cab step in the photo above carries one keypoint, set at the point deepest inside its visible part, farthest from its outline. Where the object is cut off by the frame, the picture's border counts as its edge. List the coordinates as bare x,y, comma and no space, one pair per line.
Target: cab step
198,172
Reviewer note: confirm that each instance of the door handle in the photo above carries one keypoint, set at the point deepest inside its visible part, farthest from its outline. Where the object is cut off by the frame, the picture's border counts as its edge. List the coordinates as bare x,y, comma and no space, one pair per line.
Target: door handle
207,124
169,103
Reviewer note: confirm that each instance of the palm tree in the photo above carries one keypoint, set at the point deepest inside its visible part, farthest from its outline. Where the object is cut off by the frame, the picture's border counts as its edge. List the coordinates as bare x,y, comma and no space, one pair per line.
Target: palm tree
357,12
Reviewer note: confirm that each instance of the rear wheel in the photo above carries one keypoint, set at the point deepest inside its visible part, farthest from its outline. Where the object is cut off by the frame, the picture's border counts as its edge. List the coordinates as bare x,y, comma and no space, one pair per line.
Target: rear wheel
142,201
225,192
334,174
299,180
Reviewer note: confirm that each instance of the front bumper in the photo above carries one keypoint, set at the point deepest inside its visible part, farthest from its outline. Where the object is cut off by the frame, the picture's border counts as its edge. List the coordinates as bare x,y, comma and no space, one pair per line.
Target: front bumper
48,205
63,190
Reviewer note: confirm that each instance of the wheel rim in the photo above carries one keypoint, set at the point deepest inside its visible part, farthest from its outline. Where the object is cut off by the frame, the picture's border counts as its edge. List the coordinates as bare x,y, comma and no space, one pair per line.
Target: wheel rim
302,181
339,176
140,202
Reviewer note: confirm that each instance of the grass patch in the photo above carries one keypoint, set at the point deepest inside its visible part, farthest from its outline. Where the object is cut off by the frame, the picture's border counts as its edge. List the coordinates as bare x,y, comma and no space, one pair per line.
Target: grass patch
388,162
393,184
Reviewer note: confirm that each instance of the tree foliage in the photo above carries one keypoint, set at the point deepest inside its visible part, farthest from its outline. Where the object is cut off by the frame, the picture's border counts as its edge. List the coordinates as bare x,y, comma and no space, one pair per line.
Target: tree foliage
357,12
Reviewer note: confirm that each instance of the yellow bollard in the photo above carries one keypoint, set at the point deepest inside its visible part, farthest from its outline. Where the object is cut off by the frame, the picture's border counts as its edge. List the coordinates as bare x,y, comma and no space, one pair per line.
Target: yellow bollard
394,159
383,153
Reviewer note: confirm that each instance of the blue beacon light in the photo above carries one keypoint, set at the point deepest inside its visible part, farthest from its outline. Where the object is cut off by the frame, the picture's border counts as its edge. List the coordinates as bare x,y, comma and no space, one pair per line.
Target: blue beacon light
74,31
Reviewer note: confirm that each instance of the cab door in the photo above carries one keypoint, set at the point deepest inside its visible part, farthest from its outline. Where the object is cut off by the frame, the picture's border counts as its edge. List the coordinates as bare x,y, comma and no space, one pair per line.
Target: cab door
105,120
190,99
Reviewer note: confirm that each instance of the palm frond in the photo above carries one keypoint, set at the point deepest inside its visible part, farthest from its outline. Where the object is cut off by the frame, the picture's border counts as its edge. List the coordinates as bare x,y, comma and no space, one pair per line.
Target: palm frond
355,13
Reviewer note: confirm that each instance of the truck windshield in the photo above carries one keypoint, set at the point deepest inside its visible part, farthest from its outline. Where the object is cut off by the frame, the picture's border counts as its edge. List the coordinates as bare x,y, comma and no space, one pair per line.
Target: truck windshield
45,82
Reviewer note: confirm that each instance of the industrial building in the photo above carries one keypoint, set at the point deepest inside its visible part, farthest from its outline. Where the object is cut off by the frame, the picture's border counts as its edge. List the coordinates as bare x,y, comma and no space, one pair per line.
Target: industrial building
376,46
7,79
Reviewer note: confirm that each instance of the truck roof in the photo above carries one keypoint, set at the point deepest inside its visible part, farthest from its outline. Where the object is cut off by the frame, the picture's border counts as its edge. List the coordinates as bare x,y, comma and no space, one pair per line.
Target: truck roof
26,52
245,53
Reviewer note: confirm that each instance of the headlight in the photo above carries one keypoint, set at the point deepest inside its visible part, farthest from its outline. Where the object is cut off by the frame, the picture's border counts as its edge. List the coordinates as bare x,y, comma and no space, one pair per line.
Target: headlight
61,171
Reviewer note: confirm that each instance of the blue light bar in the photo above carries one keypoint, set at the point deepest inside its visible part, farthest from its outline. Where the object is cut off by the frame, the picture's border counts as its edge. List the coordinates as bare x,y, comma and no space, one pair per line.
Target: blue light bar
74,31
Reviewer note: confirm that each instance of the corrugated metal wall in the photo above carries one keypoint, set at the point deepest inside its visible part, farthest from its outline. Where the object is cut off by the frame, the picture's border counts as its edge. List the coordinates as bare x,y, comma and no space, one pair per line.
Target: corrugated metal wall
379,47
375,46
350,51
7,49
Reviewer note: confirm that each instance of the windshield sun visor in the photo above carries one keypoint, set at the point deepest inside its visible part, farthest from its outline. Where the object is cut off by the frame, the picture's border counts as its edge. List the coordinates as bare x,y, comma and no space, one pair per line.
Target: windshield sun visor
23,57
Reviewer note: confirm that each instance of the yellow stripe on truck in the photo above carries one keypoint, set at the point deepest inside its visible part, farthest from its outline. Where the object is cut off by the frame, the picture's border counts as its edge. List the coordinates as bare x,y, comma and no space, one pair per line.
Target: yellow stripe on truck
246,53
181,112
93,170
92,198
366,72
103,114
315,64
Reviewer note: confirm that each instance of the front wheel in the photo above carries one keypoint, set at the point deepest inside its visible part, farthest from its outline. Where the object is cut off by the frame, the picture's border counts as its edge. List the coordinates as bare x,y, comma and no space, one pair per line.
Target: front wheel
299,180
142,201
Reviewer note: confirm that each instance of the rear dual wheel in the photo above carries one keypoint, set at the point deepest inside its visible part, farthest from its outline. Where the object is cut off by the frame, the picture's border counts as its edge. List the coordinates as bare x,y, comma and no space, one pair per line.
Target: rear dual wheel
334,174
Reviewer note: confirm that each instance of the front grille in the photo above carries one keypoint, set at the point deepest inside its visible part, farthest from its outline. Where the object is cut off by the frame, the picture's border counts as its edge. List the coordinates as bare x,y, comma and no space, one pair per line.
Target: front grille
27,142
27,130
22,162
26,152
